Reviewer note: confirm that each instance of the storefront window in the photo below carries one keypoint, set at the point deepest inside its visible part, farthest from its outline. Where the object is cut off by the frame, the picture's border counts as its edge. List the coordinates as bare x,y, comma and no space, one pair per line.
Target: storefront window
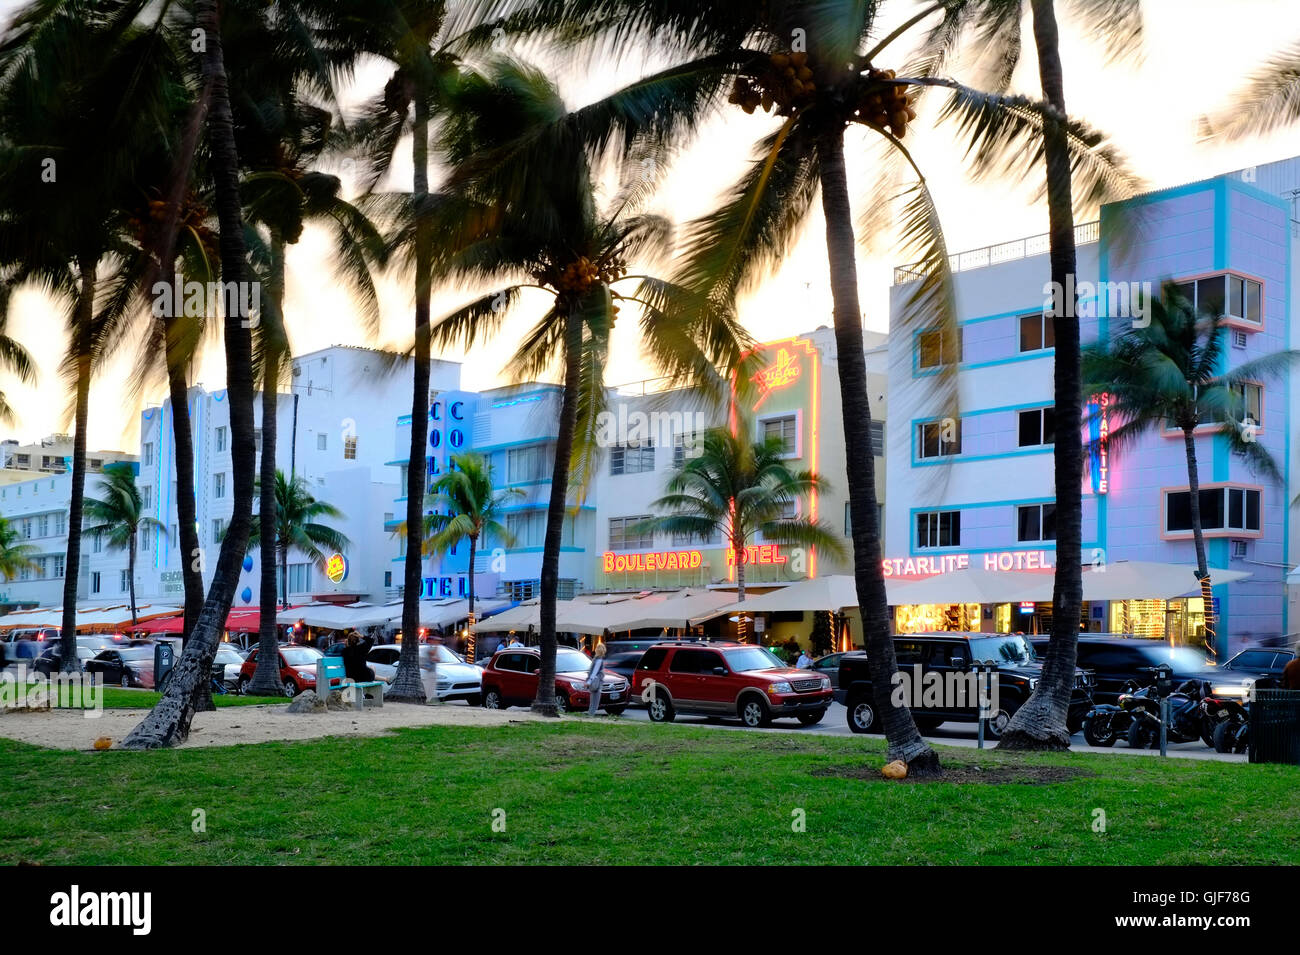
926,618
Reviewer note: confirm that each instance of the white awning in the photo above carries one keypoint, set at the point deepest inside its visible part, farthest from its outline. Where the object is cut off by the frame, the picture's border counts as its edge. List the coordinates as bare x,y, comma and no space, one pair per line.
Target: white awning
831,592
1148,580
443,613
340,616
677,610
113,617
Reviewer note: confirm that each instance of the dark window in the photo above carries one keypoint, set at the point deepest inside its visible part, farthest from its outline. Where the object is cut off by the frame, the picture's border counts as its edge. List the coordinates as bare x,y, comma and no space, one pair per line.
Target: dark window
694,661
511,661
934,348
939,438
652,659
1037,331
908,654
878,438
1036,522
1037,427
1221,509
531,662
938,529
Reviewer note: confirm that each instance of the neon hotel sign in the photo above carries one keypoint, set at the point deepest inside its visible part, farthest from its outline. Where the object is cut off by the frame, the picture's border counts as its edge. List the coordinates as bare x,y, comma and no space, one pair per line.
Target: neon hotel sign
948,563
684,559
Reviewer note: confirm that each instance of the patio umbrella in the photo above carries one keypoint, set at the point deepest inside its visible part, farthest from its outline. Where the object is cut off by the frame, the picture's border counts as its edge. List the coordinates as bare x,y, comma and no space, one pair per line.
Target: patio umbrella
831,592
1148,580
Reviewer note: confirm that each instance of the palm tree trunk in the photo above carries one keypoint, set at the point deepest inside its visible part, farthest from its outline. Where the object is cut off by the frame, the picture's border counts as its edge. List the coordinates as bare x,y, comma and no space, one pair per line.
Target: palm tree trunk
186,509
284,571
550,582
738,555
130,575
169,721
1198,536
407,687
904,740
1041,722
266,676
84,315
469,640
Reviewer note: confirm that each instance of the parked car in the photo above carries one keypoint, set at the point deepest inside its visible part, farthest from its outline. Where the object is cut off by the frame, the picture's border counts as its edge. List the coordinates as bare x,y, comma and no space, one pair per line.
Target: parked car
382,659
829,666
1256,663
124,666
446,676
728,679
226,664
51,658
510,679
1119,663
297,669
1018,672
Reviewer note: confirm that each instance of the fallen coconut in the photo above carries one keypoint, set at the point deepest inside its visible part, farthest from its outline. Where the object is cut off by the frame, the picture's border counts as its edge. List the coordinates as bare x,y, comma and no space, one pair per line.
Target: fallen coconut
895,770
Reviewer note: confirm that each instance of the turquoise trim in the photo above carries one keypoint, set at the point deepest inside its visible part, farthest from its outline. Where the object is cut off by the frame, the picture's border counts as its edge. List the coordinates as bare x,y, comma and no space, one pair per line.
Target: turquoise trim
1220,224
967,458
404,419
544,439
1286,470
1237,184
969,366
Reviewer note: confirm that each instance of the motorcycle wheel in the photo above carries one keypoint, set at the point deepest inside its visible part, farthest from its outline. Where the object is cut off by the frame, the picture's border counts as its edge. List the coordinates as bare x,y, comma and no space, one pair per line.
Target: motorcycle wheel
1139,737
1224,737
1099,731
1241,739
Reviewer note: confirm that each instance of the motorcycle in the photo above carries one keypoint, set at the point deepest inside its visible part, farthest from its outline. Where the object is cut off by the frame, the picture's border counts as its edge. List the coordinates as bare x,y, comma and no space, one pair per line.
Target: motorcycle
1107,722
1186,718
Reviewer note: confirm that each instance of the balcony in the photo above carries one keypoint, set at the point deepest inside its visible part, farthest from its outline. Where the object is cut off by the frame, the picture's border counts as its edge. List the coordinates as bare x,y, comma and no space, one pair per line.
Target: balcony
1084,234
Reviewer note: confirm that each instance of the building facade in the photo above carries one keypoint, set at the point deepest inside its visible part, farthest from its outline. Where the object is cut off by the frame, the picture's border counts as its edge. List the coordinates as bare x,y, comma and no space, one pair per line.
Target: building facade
979,490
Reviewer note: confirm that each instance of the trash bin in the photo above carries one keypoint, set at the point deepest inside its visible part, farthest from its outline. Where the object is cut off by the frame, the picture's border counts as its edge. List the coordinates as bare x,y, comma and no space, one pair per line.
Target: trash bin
1275,727
164,658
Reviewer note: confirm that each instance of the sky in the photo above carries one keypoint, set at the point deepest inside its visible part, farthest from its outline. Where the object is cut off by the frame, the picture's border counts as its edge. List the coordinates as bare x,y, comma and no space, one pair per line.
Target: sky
1192,60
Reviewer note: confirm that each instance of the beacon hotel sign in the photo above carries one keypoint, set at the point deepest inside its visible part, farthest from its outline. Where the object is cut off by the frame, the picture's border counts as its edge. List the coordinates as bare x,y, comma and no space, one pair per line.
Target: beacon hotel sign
949,563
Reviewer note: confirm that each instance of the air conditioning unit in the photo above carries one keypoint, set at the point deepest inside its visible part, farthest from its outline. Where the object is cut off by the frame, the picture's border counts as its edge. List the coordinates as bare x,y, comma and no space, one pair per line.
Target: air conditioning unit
1238,338
1238,550
297,371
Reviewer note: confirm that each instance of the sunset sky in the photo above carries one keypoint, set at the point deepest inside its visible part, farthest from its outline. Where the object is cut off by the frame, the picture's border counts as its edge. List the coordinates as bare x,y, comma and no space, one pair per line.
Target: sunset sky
1195,55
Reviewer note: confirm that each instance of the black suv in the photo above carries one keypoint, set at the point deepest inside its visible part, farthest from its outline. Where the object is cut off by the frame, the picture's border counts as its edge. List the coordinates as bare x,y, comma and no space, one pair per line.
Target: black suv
1255,663
949,655
1121,663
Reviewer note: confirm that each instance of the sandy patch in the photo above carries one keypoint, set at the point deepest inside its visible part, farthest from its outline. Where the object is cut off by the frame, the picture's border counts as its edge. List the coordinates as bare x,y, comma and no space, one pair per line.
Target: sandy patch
69,729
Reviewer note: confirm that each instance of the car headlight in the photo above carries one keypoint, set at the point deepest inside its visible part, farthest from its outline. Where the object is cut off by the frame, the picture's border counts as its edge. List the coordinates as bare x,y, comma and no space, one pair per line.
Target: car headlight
775,688
307,675
826,683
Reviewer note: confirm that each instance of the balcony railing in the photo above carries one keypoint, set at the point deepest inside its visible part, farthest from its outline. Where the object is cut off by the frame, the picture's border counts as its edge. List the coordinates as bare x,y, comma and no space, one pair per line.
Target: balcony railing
1084,234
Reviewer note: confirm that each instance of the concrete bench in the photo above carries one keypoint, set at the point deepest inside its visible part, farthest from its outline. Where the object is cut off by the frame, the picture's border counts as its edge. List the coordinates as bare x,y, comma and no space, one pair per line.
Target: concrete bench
358,695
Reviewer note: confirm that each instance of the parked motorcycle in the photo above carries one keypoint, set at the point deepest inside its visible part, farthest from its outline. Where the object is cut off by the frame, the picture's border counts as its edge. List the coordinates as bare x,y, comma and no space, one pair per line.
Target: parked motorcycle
1107,722
1186,718
1229,719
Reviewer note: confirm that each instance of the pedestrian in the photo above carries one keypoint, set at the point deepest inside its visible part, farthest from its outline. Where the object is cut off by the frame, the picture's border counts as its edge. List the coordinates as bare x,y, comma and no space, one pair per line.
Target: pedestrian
1291,675
805,661
595,678
514,641
354,658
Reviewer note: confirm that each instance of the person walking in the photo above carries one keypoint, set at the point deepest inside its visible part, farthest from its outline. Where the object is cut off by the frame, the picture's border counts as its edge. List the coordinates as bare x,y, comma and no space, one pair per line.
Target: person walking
804,661
1291,675
595,678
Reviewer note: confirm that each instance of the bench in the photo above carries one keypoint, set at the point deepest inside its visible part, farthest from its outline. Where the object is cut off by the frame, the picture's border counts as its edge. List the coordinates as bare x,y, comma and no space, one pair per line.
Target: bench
358,695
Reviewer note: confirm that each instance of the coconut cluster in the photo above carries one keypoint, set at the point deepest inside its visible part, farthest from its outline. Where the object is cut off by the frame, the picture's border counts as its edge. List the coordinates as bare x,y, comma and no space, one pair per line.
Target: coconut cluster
578,276
784,81
192,217
884,103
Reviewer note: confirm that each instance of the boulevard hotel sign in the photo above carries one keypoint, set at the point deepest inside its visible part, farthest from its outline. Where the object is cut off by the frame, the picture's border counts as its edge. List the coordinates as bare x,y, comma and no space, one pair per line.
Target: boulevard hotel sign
652,561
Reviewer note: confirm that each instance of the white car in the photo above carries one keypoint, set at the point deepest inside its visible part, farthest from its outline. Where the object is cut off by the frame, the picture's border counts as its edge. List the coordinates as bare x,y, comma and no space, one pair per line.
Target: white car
229,659
447,676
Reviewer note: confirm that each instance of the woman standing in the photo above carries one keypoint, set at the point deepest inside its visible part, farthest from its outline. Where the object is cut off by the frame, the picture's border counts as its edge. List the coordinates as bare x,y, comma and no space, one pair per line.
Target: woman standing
595,677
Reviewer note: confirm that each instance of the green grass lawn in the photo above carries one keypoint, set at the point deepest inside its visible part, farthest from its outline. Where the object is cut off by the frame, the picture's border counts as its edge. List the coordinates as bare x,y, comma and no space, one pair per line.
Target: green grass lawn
628,793
116,698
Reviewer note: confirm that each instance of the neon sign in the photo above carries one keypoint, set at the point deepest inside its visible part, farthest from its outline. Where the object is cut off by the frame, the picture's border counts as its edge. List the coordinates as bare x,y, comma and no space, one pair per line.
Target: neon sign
950,563
1099,441
781,373
336,568
655,560
757,554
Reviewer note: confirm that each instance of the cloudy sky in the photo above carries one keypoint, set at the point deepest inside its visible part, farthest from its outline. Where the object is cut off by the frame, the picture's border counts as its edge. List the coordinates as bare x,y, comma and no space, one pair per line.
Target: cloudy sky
1195,55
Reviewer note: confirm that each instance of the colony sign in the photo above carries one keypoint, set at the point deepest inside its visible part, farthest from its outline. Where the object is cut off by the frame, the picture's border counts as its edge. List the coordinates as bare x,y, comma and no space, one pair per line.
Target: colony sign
336,568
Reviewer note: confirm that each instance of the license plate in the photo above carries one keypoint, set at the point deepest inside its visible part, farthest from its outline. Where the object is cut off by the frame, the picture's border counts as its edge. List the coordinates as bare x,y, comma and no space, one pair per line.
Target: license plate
615,696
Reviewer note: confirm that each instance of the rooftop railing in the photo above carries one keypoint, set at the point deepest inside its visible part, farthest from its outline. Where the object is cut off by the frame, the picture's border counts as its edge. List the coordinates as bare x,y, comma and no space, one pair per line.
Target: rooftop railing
1084,233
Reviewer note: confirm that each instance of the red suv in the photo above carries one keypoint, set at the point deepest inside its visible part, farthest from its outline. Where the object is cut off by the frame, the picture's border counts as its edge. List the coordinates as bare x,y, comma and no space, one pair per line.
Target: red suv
297,669
727,679
510,679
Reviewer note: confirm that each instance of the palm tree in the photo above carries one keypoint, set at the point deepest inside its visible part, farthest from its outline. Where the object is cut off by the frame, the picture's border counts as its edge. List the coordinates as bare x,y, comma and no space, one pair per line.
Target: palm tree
1041,722
521,207
119,516
1169,375
817,65
297,516
66,80
466,506
169,721
282,135
736,490
15,359
15,557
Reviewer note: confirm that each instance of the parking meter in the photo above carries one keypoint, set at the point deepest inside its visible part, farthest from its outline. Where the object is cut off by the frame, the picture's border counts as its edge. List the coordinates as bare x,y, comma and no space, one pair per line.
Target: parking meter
164,658
1164,680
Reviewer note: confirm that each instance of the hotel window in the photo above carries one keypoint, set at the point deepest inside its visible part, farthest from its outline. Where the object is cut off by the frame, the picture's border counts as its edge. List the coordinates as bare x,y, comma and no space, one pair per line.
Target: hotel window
96,464
1037,331
937,439
146,496
58,565
878,439
623,533
218,529
322,442
524,465
1036,522
43,526
712,539
1227,295
1037,427
350,448
935,348
27,529
786,429
221,439
95,582
172,535
146,535
938,529
146,455
635,457
219,485
123,581
528,528
257,440
97,542
687,445
1222,508
1251,398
